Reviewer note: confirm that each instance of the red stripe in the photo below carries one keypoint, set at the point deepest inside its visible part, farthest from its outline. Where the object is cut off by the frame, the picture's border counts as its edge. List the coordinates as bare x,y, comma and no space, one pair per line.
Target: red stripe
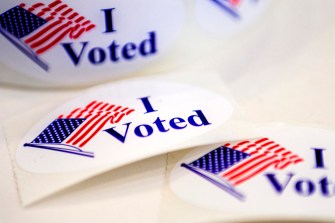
248,147
94,112
94,133
86,108
298,161
97,105
54,42
272,147
82,128
240,144
293,156
79,19
255,150
90,104
43,11
50,18
110,107
249,169
103,106
282,165
37,5
86,22
119,118
130,111
87,123
67,11
286,153
261,140
255,173
61,8
69,116
88,28
268,143
258,150
261,155
74,35
53,4
72,15
114,115
279,150
33,7
117,108
123,110
50,35
88,130
238,167
89,115
40,33
101,114
81,113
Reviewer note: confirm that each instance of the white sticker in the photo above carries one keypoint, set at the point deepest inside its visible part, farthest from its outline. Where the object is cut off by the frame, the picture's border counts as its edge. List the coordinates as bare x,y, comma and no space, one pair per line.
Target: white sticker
73,42
287,173
225,17
121,122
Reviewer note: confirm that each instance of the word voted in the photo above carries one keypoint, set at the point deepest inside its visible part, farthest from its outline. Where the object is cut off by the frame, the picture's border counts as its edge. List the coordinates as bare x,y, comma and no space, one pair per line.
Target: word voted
305,186
114,52
145,130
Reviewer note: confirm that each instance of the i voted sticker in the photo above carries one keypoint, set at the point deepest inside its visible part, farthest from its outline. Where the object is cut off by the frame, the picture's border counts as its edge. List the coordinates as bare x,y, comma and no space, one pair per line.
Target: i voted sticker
225,17
118,123
74,42
288,172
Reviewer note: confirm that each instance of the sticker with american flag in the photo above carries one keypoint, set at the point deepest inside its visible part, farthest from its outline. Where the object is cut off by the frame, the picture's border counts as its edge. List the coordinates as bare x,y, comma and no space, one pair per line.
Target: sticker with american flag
38,28
69,133
233,164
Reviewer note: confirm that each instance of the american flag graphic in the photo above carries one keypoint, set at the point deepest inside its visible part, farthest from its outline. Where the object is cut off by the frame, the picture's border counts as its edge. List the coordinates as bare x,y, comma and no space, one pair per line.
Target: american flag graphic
233,164
70,132
36,29
231,6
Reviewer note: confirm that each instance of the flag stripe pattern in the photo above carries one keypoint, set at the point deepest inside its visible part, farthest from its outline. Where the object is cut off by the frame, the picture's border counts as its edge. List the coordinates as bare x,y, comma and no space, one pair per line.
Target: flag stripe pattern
263,154
96,115
42,26
240,161
79,126
62,21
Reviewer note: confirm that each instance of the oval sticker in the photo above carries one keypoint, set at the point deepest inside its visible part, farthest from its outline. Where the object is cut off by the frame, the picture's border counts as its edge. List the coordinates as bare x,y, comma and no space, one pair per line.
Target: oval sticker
119,123
71,42
286,173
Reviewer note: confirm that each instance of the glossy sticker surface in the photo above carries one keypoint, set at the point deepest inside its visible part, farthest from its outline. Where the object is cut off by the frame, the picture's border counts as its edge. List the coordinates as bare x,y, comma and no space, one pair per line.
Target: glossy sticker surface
286,173
64,41
121,122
